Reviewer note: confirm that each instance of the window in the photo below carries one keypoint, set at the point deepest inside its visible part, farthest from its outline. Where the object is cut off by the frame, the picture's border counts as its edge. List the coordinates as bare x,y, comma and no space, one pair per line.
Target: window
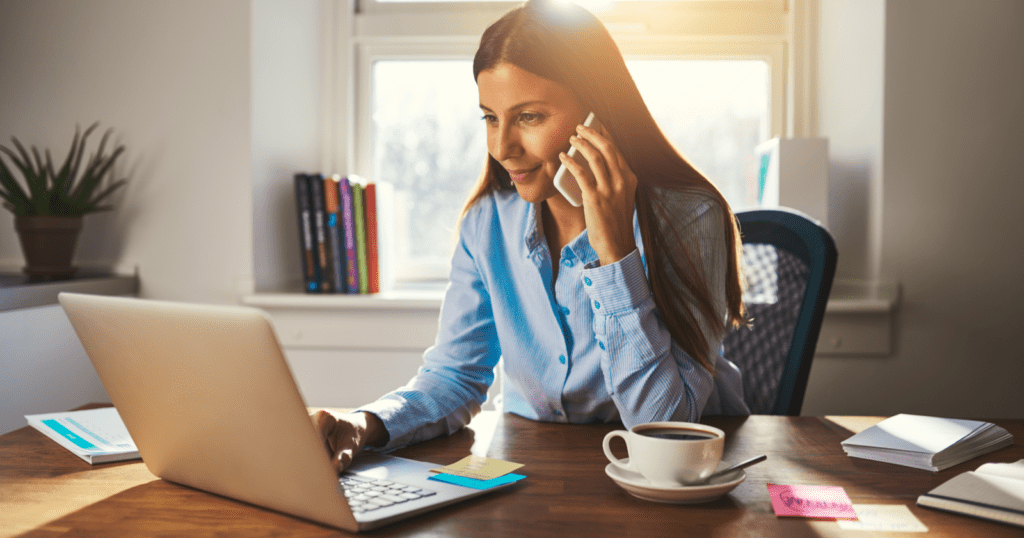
716,89
715,112
429,142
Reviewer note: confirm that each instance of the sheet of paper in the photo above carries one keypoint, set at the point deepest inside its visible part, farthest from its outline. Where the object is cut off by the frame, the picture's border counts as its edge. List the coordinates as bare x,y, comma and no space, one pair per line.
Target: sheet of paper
1009,470
478,484
811,501
479,468
93,431
915,433
883,517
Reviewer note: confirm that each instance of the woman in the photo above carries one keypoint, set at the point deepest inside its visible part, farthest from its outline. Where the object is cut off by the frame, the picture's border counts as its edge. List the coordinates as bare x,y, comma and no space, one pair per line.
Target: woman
615,310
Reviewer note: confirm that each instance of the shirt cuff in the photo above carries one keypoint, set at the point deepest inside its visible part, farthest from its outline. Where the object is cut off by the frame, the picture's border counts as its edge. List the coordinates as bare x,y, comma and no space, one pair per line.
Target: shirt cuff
618,287
387,410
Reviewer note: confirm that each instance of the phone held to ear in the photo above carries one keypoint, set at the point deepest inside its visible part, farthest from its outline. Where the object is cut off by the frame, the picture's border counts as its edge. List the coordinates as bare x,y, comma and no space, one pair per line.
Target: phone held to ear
565,182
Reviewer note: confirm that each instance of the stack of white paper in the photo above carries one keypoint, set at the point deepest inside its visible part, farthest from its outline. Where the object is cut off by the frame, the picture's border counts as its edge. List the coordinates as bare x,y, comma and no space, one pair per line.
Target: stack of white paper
95,435
929,443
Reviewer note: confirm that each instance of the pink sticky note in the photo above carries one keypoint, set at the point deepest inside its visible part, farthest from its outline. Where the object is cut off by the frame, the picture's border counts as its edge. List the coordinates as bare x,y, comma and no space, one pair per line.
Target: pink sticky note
811,501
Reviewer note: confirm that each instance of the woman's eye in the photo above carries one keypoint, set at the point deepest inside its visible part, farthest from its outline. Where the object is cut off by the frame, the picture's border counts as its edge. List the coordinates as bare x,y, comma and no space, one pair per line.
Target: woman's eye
489,118
530,117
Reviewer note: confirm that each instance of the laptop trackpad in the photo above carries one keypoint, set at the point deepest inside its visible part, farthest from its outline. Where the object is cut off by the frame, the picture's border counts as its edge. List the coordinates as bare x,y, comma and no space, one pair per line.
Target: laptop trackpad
374,465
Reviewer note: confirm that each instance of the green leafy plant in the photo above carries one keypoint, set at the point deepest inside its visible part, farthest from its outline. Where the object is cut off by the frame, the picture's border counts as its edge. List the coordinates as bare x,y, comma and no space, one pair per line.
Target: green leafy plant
64,192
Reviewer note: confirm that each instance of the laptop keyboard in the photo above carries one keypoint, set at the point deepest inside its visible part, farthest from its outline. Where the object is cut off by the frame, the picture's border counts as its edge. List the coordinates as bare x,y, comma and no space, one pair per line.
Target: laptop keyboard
366,494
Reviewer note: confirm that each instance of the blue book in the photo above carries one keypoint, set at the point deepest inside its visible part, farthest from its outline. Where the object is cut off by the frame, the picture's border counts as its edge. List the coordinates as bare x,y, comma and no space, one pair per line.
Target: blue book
335,231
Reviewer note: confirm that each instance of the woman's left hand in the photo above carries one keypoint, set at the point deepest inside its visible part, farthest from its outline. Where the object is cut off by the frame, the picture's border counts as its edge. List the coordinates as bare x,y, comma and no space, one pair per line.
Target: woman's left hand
608,193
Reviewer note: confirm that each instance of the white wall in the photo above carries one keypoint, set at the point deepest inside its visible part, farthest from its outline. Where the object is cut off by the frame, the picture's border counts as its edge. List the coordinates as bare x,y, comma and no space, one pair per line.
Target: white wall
851,95
173,80
950,149
291,111
43,368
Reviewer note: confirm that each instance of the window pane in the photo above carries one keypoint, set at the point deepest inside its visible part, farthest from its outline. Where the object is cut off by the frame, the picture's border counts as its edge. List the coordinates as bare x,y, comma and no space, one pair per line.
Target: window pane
429,142
715,112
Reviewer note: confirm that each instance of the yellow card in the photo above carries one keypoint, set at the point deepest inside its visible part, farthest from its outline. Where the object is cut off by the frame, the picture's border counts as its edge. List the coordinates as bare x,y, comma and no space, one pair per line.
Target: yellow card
479,468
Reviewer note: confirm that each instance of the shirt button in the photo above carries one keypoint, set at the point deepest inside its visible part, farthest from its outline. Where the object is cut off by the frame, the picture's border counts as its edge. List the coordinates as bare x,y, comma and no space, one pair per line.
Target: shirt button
558,413
587,281
597,304
561,359
600,345
567,263
565,311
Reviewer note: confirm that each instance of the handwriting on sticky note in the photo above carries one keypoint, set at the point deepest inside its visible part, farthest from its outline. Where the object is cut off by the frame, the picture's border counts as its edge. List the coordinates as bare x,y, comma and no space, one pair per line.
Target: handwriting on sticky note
479,468
811,501
883,517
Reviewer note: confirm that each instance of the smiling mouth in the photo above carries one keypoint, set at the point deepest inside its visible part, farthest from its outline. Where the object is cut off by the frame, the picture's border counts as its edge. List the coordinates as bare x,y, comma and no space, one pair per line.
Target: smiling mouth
518,176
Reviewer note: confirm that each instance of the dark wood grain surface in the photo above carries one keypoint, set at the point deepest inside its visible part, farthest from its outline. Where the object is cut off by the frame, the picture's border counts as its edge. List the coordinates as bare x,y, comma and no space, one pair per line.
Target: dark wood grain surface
47,491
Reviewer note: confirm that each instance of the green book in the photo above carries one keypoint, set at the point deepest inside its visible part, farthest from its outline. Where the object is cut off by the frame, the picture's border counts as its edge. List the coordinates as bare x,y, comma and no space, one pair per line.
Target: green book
359,219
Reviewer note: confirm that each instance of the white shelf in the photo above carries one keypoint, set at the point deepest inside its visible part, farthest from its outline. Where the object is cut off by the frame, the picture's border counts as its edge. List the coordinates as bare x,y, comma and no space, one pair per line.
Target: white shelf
392,300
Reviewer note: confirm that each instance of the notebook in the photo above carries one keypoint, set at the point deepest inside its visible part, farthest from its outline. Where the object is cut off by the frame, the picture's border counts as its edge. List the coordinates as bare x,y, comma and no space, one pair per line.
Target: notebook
208,397
994,491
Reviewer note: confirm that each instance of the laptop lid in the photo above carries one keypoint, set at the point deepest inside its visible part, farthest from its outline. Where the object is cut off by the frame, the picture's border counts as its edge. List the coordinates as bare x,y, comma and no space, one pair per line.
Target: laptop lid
209,400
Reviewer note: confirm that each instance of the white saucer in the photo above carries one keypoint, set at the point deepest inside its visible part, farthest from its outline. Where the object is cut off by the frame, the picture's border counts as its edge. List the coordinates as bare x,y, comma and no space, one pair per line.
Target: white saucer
639,487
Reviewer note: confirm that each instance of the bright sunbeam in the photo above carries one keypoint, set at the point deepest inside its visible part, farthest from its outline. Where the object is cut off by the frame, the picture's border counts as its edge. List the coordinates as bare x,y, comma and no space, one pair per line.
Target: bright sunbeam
593,6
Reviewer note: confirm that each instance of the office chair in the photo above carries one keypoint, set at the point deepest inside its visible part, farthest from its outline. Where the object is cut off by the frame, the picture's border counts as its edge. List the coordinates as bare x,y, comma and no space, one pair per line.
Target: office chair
789,261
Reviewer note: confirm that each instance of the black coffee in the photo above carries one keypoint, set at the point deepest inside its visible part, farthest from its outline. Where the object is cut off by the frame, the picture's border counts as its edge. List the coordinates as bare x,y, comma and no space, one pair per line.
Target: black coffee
676,434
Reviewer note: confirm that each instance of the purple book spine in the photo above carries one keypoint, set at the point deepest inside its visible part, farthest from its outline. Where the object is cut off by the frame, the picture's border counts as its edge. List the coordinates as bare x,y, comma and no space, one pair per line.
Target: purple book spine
351,269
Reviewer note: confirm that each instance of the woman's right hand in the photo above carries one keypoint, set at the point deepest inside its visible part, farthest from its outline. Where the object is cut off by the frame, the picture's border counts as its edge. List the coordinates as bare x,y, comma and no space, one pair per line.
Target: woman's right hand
345,435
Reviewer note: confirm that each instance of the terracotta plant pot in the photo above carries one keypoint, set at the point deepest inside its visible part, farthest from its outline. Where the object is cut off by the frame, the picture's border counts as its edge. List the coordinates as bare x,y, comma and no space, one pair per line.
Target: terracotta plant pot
48,243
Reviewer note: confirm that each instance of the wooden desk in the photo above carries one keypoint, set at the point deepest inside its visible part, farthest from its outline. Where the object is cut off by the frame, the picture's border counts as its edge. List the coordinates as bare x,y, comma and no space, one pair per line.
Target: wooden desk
47,491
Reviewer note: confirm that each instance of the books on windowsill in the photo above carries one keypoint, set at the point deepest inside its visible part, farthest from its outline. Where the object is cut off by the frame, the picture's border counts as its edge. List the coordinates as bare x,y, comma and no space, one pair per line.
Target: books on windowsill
995,491
95,435
929,443
346,234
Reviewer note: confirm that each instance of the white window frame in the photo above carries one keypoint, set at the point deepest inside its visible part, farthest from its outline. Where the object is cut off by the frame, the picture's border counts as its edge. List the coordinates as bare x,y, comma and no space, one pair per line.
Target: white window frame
368,31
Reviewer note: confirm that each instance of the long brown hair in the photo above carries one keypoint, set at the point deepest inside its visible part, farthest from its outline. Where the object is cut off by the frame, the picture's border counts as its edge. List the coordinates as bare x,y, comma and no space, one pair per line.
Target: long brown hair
566,44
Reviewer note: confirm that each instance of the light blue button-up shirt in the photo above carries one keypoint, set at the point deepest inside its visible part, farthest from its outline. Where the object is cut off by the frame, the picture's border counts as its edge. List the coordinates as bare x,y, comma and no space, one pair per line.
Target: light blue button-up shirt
584,346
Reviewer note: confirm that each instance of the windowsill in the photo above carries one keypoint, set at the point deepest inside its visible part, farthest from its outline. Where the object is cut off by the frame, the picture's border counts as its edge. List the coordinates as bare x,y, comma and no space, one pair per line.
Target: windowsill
847,297
406,297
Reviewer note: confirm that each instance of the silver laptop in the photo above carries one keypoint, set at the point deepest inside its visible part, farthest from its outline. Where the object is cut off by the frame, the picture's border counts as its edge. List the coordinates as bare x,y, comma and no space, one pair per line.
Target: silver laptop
209,400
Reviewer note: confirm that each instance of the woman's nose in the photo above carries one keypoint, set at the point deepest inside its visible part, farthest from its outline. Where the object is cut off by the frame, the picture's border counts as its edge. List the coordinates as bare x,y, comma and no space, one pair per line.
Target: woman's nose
505,143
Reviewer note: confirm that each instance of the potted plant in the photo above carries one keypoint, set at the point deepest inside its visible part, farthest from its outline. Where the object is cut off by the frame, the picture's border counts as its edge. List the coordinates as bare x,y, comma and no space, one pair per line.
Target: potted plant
48,211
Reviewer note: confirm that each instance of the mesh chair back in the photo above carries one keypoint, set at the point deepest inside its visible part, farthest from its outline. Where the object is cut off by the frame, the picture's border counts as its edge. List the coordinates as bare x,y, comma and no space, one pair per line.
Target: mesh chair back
789,262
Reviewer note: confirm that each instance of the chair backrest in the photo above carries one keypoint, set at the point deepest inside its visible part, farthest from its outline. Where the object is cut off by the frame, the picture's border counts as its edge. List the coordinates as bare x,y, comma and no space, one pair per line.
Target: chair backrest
789,261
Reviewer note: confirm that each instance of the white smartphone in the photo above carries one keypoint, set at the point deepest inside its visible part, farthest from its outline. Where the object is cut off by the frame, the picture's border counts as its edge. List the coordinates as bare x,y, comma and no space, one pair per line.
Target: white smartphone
565,182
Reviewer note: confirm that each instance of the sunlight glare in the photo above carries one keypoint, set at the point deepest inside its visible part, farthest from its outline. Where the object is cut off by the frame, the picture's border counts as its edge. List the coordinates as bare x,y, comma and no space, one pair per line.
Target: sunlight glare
593,6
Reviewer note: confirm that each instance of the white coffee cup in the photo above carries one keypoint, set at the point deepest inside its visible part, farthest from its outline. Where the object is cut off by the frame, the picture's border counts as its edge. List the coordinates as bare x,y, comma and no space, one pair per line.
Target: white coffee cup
669,454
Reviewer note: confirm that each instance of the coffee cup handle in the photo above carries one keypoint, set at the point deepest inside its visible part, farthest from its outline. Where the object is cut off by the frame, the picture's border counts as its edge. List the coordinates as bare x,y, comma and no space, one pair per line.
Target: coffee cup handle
628,466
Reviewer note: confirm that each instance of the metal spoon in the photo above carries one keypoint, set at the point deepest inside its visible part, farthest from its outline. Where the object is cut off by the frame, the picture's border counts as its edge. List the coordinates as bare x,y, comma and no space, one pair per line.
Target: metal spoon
741,465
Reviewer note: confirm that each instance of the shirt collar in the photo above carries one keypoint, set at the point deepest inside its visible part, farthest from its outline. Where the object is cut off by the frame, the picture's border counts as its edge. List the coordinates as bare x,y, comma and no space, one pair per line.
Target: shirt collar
533,238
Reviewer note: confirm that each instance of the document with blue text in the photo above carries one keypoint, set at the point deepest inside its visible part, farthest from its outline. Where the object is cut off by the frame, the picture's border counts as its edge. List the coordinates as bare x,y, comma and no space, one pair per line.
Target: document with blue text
95,435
